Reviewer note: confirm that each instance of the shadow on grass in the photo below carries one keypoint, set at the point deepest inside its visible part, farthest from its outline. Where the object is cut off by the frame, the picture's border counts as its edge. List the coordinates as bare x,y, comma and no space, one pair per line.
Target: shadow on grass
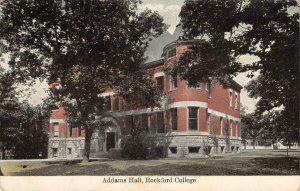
68,169
283,164
238,166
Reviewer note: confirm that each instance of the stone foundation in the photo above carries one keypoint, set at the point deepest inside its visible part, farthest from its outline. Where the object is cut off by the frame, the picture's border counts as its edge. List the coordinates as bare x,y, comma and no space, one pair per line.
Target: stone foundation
176,146
65,147
193,146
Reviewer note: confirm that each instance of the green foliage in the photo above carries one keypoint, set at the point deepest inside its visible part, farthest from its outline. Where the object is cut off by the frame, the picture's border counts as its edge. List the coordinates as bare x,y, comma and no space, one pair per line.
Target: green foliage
252,126
270,128
85,47
25,133
139,145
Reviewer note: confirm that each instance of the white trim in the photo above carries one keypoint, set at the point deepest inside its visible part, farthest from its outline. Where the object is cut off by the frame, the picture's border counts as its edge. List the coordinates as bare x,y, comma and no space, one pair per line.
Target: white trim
187,133
171,84
220,114
180,104
137,111
57,121
186,104
159,74
188,117
235,100
106,94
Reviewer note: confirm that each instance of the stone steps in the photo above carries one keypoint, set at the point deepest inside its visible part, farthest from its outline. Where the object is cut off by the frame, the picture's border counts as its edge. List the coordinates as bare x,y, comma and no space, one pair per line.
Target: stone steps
99,155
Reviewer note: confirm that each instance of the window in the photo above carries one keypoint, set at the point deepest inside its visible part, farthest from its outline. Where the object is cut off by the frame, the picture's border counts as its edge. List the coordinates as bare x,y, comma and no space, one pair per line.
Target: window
55,153
208,88
231,127
173,82
236,129
160,84
208,122
230,98
173,150
232,148
172,53
197,86
221,125
144,121
235,101
79,130
128,123
193,118
194,149
70,129
174,118
107,103
56,129
70,151
116,103
160,126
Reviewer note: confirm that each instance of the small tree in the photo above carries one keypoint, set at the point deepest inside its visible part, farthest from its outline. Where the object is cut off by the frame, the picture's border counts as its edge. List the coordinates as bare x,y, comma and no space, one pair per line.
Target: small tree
227,134
253,126
214,137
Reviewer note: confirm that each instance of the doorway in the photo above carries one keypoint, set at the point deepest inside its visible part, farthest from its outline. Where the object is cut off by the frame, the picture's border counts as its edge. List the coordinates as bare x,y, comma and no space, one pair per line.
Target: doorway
110,140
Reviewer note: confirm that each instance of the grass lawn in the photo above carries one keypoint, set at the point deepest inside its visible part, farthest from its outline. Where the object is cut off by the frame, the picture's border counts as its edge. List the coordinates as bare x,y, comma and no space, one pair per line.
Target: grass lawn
245,163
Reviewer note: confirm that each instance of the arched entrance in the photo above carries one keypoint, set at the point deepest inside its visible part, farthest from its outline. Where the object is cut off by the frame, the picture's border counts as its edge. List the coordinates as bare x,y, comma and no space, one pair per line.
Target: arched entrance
109,136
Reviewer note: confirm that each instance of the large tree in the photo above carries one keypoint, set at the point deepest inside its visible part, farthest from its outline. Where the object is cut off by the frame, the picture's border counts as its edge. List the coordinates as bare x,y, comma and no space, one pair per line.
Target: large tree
8,109
23,128
86,46
229,29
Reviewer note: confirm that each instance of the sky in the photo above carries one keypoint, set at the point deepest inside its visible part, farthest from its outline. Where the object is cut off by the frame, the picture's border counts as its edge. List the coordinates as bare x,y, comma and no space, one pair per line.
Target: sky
169,10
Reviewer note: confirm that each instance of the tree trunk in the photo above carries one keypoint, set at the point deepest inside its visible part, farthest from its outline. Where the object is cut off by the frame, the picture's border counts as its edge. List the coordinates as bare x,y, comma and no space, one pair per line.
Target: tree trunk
3,153
87,145
253,143
244,143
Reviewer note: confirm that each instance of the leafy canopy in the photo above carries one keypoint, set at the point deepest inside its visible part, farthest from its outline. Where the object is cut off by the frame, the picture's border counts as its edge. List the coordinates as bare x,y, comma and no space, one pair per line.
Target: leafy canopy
230,29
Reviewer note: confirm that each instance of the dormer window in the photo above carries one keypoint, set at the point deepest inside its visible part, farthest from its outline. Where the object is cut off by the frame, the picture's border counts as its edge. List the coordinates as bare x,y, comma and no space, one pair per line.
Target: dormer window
171,53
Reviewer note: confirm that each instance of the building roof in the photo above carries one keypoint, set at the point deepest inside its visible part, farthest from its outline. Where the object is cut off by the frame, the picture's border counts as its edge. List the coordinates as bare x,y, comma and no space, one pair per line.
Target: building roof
176,43
181,42
153,63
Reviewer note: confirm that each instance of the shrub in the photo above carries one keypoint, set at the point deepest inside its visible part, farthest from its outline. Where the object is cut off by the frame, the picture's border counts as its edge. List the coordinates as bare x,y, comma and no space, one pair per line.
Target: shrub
207,149
140,145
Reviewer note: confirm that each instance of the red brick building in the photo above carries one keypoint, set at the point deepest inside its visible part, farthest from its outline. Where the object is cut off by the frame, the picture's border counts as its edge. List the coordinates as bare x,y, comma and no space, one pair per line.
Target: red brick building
189,119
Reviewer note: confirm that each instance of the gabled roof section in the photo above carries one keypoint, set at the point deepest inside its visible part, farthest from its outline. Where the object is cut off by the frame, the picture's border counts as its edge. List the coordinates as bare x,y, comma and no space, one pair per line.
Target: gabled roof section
153,63
235,85
181,42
